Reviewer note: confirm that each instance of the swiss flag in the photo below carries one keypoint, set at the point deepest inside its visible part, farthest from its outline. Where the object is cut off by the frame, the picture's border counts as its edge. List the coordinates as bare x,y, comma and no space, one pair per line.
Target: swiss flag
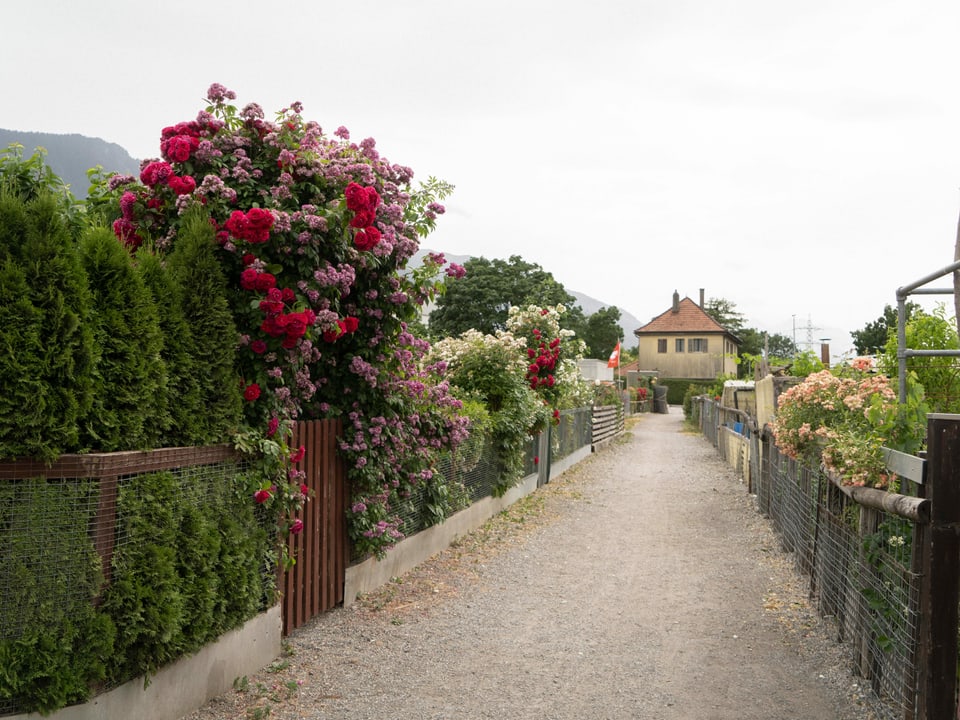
614,360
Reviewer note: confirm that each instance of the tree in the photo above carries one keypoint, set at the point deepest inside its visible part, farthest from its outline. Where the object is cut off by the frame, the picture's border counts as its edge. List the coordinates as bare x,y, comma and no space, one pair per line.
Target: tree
47,353
780,347
601,332
724,312
872,337
130,377
939,376
480,300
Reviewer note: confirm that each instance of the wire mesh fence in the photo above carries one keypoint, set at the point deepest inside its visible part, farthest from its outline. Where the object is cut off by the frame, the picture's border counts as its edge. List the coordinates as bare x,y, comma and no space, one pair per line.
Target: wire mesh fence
858,562
472,472
72,531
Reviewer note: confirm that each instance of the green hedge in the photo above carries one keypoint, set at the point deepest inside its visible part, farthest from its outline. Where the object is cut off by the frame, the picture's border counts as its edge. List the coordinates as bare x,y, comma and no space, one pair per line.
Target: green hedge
677,388
193,559
54,645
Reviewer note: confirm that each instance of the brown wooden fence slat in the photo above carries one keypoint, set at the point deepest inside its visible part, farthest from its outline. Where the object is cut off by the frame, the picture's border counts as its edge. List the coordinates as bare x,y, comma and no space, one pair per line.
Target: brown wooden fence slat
315,583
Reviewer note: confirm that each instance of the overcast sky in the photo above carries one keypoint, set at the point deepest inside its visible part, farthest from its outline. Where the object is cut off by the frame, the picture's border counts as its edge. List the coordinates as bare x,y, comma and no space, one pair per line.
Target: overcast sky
797,159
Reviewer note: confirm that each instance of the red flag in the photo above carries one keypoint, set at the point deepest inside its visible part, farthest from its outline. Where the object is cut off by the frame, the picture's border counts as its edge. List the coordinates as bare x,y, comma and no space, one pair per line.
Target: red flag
614,360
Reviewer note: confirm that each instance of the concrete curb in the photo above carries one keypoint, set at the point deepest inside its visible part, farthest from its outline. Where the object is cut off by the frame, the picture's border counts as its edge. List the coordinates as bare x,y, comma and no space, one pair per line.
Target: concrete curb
181,687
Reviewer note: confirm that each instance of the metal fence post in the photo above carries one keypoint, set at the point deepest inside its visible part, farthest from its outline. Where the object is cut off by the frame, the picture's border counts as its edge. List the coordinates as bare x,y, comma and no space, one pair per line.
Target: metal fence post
940,587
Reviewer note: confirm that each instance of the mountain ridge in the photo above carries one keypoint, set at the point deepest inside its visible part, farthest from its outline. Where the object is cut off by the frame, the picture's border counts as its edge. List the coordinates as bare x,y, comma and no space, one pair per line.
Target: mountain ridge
71,155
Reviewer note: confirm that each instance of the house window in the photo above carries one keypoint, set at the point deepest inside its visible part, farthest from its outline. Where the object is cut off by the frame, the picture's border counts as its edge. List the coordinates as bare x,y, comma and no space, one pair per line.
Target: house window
661,345
698,345
679,345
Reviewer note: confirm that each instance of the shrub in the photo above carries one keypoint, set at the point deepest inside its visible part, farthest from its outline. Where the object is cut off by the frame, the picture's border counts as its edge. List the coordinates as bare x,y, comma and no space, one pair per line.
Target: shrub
213,333
313,234
54,646
190,567
183,423
47,348
844,420
129,377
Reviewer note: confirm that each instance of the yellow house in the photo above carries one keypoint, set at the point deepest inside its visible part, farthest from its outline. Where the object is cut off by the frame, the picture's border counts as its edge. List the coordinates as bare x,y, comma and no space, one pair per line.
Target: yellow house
685,342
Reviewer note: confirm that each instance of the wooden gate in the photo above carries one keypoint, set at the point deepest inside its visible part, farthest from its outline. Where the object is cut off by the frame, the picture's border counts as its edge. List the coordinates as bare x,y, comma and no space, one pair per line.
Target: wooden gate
315,582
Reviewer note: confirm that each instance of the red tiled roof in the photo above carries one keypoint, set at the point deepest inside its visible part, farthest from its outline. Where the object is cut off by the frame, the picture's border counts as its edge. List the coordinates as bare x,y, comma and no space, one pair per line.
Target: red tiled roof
689,318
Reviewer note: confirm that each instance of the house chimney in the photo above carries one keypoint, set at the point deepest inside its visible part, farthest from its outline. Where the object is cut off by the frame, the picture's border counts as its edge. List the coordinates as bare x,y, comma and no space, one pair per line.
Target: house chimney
825,352
701,298
676,301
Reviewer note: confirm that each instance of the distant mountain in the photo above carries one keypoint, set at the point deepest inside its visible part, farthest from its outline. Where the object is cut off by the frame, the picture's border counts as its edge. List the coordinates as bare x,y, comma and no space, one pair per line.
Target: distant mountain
70,156
628,322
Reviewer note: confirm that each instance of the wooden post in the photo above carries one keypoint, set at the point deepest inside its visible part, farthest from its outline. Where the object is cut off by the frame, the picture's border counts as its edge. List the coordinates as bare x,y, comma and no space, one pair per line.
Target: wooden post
940,587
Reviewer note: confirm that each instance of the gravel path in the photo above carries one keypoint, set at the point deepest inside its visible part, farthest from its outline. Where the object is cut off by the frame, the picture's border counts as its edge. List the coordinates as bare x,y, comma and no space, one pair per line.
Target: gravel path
640,584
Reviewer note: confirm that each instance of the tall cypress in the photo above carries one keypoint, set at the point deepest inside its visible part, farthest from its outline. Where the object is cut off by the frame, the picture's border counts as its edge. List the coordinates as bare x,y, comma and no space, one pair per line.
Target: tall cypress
46,346
130,376
193,264
186,426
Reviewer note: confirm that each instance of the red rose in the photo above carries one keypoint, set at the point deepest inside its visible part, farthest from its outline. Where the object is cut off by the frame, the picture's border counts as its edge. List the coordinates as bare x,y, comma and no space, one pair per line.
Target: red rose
297,527
367,238
356,197
182,185
287,295
251,392
261,496
362,219
351,323
297,456
271,307
155,173
265,281
296,325
248,279
258,346
179,147
249,259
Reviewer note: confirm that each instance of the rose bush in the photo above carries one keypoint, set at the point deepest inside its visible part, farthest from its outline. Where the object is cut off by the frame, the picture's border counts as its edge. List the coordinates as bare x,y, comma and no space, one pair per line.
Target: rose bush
314,234
844,419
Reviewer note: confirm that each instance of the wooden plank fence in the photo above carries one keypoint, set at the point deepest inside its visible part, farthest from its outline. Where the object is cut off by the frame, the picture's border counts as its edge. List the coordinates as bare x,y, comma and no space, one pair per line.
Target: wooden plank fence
607,423
315,582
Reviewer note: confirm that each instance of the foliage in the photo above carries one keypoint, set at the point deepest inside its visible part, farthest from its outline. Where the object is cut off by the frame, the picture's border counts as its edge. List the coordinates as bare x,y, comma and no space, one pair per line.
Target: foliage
32,178
312,235
181,395
129,377
47,354
492,369
482,298
54,646
195,269
755,343
187,537
693,391
552,354
806,363
844,420
601,332
725,313
872,338
939,376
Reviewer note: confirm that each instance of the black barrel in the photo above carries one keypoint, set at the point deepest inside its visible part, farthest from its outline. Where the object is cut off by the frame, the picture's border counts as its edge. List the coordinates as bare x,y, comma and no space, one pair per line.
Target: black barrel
660,399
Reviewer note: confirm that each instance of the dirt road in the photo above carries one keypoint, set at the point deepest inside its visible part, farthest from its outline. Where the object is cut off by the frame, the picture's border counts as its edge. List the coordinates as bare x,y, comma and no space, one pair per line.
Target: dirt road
640,584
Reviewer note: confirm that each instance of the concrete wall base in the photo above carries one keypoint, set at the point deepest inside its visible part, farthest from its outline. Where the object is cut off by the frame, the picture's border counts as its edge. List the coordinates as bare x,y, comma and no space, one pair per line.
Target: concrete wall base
181,687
